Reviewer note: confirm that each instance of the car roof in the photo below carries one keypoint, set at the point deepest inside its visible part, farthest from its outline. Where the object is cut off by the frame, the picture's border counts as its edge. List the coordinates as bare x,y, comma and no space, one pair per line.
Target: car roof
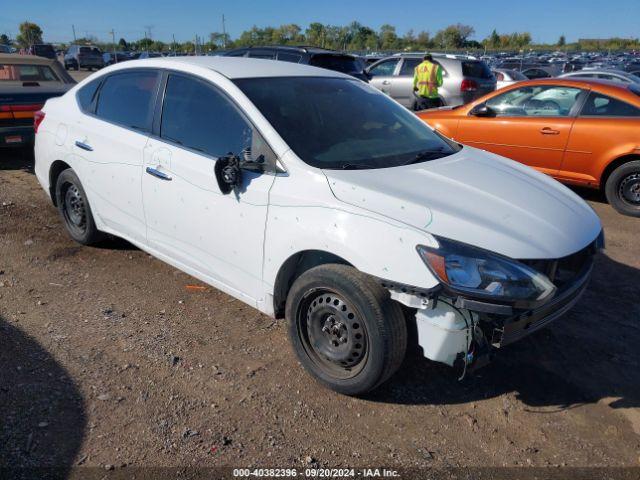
240,67
294,48
611,71
602,86
15,59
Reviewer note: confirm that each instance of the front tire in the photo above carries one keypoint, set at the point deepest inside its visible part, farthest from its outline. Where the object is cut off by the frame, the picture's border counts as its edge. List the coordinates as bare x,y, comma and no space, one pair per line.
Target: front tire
623,188
74,209
345,329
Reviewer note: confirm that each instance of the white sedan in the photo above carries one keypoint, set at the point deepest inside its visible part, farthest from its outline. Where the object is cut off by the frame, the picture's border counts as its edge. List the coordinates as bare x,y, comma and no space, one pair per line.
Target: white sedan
310,195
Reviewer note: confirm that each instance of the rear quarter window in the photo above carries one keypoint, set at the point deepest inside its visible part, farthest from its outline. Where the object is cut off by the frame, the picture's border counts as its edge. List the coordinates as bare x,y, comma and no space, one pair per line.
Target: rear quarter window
86,95
600,105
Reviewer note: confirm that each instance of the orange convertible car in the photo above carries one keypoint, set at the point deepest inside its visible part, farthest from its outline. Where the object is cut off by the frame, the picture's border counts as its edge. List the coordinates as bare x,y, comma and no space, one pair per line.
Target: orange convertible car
580,132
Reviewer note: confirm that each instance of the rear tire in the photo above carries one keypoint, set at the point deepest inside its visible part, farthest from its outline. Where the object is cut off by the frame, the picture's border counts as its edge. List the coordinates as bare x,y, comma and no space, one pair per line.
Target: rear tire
74,209
622,188
345,329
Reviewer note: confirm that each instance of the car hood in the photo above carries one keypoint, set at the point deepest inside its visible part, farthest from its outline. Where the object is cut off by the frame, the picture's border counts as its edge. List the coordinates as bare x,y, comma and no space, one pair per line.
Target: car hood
477,198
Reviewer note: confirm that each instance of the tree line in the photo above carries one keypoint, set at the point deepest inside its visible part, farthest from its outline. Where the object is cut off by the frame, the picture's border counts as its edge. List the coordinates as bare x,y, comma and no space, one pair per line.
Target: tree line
352,37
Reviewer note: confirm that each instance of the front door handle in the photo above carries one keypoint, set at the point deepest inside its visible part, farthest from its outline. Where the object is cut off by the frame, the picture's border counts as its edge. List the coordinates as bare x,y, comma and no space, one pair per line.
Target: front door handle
157,173
386,82
549,131
84,146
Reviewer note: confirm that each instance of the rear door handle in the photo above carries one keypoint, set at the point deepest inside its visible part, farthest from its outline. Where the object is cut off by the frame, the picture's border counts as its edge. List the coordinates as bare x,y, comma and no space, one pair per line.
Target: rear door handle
386,82
84,146
157,173
549,131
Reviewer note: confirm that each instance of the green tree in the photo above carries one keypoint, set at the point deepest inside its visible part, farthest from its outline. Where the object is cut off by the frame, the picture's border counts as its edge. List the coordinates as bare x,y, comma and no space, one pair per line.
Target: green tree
4,40
289,34
562,41
424,41
144,43
30,33
493,41
123,45
388,38
316,34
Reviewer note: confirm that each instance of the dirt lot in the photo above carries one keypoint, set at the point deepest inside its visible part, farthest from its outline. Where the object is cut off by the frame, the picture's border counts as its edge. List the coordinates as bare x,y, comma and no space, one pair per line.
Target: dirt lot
107,359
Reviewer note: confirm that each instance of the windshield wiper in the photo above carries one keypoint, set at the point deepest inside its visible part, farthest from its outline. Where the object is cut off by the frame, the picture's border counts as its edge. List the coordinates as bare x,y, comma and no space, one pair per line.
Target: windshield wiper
357,166
426,155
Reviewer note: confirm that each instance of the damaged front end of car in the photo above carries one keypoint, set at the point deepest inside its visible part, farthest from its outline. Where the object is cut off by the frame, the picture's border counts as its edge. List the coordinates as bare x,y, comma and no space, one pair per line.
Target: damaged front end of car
486,301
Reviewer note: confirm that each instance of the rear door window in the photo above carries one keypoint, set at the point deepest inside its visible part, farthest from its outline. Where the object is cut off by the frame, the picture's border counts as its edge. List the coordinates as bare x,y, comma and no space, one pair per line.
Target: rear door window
599,105
127,99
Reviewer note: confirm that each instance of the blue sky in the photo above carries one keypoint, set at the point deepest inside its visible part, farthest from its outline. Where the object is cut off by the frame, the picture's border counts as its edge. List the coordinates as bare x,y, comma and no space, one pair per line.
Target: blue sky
544,19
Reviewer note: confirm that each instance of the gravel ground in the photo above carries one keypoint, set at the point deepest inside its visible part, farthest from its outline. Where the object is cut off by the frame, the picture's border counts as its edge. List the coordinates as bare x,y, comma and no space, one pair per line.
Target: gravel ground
108,359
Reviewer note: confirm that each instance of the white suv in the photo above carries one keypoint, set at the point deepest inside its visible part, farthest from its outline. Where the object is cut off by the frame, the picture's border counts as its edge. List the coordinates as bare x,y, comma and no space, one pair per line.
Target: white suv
308,194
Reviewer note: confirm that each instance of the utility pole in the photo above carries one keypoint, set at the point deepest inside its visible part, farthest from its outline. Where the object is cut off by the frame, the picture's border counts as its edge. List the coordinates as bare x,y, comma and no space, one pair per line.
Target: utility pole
148,28
224,33
173,46
113,39
73,27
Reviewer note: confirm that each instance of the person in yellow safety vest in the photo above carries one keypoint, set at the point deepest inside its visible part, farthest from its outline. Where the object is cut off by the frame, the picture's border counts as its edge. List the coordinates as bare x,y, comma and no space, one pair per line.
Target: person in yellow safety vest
427,78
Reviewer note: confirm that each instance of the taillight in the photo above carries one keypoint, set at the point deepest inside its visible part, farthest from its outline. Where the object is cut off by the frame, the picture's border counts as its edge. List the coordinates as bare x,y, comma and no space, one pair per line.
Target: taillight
38,117
468,85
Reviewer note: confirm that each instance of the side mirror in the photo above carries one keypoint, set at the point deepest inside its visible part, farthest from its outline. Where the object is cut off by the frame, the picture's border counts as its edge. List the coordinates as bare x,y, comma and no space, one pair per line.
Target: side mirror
228,170
482,110
228,173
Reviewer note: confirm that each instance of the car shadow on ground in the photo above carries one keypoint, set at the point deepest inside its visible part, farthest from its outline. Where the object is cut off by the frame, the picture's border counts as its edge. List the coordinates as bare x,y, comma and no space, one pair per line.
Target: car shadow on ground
588,355
43,418
17,159
589,194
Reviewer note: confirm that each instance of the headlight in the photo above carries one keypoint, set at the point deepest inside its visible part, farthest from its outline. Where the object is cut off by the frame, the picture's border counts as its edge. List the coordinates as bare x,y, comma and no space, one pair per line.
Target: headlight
480,273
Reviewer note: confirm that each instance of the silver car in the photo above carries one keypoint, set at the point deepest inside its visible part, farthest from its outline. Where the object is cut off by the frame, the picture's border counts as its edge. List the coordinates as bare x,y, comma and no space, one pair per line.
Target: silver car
464,78
611,75
506,77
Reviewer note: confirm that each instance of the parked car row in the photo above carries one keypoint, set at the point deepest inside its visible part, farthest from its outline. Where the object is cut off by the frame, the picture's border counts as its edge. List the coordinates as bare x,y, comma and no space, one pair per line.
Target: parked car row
313,196
90,57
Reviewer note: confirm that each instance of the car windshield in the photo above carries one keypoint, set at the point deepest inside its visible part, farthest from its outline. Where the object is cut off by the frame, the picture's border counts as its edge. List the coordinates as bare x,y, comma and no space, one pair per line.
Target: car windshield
27,73
337,123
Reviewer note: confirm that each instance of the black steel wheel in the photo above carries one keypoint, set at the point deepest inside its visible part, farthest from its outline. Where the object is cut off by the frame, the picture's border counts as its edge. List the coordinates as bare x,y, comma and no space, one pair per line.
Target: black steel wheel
345,329
623,188
332,333
74,209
